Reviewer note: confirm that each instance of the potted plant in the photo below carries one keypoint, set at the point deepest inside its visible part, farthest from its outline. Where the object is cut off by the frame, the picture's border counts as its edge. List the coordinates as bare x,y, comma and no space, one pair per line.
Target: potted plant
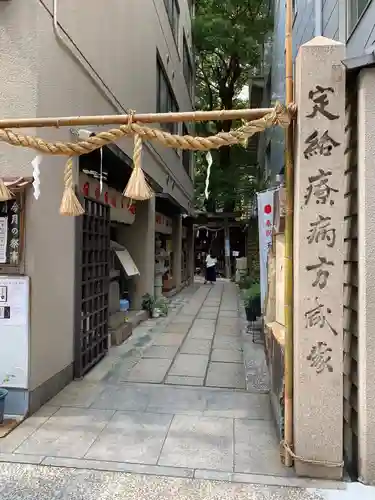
251,298
3,395
148,304
161,307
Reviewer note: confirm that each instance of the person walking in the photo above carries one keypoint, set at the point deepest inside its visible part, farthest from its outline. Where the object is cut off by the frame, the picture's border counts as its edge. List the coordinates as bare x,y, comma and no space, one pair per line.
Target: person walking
210,268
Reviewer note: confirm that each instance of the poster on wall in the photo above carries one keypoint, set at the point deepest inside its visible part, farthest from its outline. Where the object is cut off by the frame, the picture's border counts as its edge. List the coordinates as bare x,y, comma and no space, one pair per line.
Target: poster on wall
265,225
14,331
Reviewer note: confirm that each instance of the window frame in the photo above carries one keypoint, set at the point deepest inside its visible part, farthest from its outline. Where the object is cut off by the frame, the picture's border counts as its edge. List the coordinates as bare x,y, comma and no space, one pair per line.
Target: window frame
187,59
171,104
173,10
350,24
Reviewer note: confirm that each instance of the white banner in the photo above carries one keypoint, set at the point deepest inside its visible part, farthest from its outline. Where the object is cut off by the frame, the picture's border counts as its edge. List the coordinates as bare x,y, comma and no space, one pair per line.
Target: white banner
265,224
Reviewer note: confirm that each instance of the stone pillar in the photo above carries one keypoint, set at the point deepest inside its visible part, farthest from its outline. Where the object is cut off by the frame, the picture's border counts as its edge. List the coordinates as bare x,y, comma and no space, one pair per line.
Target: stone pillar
177,250
366,272
139,240
318,258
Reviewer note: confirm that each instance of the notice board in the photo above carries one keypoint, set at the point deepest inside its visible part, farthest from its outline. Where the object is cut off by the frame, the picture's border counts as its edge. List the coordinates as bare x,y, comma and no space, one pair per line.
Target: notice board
14,331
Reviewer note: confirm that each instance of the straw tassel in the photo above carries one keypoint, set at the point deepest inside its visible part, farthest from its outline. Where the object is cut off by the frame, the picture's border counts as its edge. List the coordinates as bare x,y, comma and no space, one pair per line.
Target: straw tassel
5,194
70,204
137,188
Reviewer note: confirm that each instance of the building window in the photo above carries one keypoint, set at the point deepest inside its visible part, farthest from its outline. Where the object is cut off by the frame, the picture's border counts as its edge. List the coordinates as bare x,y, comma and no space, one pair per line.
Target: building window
173,11
166,101
186,153
188,67
355,10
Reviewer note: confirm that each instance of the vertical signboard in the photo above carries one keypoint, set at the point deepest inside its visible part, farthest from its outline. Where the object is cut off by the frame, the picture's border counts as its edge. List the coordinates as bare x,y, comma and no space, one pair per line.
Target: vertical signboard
265,225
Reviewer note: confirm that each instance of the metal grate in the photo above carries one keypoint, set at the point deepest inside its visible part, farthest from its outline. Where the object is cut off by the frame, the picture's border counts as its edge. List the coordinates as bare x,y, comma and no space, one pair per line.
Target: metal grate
91,339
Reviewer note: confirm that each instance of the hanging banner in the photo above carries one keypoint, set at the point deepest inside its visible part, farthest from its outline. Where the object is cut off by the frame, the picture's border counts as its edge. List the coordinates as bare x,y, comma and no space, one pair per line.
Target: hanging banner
265,225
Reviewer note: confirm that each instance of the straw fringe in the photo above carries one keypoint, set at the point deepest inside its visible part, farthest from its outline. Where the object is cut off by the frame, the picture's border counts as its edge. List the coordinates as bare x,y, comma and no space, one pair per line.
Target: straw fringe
70,204
5,193
137,188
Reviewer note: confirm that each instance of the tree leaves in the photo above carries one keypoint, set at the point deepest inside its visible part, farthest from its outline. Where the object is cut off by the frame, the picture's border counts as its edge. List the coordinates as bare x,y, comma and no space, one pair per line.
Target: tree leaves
228,38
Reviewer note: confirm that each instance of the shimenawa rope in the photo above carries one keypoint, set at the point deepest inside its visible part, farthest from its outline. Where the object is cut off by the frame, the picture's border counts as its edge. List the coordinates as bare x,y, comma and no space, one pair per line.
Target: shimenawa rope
137,187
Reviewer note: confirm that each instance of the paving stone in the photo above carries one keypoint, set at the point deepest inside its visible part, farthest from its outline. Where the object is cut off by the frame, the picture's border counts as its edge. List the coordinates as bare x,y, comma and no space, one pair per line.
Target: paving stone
69,432
230,375
132,437
102,465
180,380
204,323
149,370
184,318
78,393
123,397
177,327
207,315
232,404
178,400
226,356
225,321
199,443
10,442
169,339
227,342
161,351
228,314
190,365
196,346
198,332
256,448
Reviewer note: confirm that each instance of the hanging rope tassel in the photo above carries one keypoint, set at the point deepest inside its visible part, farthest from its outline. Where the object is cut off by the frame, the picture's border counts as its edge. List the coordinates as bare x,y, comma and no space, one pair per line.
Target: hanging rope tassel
5,194
70,204
137,188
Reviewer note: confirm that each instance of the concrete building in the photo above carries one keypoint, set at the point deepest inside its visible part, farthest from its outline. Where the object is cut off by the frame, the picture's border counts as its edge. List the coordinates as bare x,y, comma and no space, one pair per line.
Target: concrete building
352,23
89,58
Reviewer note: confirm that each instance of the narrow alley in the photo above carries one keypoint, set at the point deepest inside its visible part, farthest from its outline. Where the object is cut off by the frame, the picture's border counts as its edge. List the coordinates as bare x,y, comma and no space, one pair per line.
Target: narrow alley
170,401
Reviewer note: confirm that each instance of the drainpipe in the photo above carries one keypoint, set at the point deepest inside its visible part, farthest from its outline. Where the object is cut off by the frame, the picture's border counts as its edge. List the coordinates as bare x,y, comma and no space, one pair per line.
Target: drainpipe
318,17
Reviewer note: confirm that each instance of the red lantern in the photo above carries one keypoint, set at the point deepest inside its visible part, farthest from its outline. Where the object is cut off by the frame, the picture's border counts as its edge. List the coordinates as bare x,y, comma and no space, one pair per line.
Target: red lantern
86,189
106,197
113,201
97,192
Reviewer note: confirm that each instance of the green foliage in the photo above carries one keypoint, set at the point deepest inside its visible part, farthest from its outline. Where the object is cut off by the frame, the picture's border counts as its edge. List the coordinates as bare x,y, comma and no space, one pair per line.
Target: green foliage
162,305
148,303
245,282
228,38
251,294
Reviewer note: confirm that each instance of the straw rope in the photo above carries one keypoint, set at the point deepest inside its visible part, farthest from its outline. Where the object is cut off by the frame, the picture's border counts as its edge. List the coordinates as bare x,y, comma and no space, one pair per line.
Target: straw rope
137,187
70,204
280,116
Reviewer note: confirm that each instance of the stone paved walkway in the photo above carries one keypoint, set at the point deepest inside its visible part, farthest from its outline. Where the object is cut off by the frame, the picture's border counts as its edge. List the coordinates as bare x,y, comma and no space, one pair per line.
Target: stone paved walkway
171,401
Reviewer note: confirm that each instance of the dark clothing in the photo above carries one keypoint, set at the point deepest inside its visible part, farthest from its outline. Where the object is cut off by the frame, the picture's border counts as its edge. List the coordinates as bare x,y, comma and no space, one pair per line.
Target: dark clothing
211,274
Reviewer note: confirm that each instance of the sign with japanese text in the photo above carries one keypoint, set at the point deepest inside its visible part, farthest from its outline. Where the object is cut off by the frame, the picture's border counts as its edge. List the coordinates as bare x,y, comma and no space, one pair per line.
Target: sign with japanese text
122,209
163,224
265,225
10,232
319,213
